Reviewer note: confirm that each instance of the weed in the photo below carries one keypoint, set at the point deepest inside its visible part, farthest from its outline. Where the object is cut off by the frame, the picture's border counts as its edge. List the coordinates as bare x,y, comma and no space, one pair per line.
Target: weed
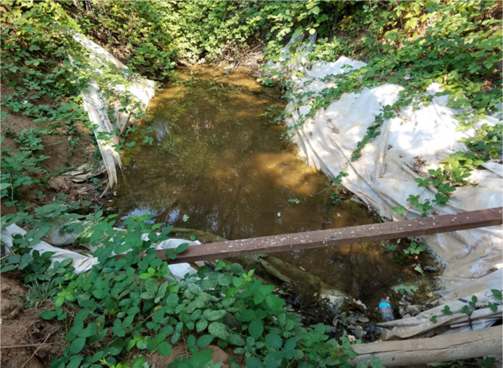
133,306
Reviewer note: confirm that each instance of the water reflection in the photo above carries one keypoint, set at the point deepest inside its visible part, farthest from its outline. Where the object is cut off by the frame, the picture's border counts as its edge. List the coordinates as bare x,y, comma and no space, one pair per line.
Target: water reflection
220,163
218,159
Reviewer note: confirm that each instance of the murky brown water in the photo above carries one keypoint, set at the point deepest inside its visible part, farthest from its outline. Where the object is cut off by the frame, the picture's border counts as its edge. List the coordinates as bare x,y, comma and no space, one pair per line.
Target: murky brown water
217,162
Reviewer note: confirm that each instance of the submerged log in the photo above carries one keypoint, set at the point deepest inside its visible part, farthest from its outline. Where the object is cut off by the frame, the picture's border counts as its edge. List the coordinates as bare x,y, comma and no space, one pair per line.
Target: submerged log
457,346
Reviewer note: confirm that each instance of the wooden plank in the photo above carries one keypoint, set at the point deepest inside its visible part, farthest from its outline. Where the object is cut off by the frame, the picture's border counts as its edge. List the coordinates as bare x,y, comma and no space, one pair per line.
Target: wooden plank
334,237
443,348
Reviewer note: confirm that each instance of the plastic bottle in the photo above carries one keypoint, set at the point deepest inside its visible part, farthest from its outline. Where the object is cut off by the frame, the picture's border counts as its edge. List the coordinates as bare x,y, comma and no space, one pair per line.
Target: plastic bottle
386,310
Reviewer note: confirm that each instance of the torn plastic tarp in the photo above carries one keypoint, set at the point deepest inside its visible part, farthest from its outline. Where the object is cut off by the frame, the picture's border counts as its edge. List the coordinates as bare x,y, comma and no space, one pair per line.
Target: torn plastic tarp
408,145
98,109
82,263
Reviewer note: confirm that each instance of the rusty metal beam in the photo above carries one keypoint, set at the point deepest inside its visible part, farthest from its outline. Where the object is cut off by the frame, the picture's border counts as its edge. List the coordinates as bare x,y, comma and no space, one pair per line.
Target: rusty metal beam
334,237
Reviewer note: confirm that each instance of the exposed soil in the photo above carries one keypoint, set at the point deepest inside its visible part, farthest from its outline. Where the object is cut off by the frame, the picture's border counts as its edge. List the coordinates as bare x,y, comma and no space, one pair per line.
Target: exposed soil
56,147
61,158
26,340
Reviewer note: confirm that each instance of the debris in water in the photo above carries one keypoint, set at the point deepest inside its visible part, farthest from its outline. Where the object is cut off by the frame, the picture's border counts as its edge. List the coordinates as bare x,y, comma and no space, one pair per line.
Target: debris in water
147,212
386,310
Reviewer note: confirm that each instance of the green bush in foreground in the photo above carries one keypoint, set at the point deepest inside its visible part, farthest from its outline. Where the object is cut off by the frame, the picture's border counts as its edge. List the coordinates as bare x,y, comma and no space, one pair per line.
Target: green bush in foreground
126,308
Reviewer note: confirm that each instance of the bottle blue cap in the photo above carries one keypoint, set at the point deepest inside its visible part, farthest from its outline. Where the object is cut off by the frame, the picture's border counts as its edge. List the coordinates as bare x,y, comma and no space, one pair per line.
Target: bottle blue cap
383,303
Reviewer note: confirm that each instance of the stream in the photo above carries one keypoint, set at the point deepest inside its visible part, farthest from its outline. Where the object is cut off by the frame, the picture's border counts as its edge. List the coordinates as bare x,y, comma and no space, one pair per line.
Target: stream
213,155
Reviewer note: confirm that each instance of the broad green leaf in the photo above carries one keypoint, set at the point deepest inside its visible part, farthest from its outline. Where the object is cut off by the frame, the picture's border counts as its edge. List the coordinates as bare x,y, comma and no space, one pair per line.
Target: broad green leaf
273,341
275,303
182,248
164,348
77,345
118,329
75,361
256,328
201,325
253,362
201,358
219,330
48,314
236,339
204,340
213,315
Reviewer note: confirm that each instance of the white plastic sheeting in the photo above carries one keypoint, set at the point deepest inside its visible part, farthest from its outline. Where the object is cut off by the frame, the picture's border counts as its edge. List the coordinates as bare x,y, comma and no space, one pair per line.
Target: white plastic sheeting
385,175
83,263
141,89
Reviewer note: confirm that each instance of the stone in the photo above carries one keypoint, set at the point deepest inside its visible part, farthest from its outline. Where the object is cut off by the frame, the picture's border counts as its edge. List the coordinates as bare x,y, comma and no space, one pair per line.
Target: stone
334,297
59,183
64,234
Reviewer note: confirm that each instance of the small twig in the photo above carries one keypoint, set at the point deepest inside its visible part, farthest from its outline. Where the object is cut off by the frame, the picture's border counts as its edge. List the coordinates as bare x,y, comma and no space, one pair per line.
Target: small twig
38,348
25,345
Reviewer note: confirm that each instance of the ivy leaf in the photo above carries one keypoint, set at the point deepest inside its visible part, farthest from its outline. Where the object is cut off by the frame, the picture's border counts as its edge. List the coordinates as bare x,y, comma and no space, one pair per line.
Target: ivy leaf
77,345
89,331
164,348
236,339
219,330
139,362
204,340
224,279
118,329
256,328
48,314
213,315
75,361
201,325
273,360
496,294
274,303
253,362
182,248
399,210
446,311
191,342
273,341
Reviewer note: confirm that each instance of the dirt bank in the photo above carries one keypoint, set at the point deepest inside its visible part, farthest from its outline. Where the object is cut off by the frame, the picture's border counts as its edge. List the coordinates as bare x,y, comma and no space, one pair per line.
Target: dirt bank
26,340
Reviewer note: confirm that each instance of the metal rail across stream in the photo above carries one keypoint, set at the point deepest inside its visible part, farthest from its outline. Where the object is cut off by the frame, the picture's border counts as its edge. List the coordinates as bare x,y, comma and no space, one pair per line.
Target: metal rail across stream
334,237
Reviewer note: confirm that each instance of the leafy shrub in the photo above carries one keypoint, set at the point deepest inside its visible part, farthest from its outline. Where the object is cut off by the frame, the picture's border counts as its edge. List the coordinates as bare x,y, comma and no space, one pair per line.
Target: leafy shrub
37,45
151,35
125,308
137,32
487,143
21,168
42,68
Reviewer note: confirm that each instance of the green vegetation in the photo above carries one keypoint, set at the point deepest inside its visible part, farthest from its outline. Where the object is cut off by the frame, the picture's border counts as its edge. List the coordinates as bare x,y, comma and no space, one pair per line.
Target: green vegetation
414,44
41,66
486,144
472,305
409,253
124,308
337,188
20,169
